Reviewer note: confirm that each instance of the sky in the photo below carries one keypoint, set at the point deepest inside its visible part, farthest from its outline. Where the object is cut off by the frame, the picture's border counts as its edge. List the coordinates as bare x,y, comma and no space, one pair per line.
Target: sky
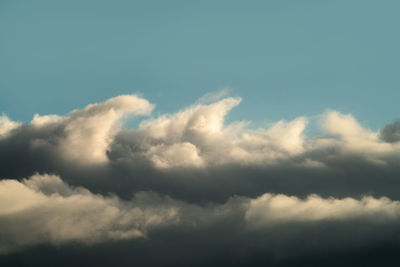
284,58
207,133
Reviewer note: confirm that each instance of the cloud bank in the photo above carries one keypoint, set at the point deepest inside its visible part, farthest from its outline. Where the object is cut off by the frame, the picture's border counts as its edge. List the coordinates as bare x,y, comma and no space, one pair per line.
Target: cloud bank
187,175
45,210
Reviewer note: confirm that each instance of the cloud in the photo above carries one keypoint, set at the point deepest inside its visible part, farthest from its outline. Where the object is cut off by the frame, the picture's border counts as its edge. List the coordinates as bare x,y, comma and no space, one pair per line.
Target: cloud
44,209
189,153
194,137
89,132
40,121
6,125
81,137
180,182
270,208
202,126
355,138
391,132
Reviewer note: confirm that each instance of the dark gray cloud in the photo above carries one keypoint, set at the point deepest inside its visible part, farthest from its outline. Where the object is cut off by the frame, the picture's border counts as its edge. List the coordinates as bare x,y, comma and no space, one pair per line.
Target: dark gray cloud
391,132
191,189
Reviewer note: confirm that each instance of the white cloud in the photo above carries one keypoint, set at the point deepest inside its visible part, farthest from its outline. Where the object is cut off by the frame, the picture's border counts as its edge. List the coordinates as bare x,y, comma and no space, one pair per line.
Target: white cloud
6,125
270,208
40,121
43,209
90,131
84,136
181,154
213,142
198,136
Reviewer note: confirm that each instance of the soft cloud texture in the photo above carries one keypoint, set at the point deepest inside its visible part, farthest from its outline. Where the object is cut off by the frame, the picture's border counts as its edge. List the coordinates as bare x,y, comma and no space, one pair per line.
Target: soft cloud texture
45,210
6,125
281,208
90,131
190,183
391,132
212,142
196,136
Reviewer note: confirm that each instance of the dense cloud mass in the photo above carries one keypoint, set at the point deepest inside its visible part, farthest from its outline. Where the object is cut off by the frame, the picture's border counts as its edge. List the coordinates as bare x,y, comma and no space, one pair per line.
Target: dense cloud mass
192,189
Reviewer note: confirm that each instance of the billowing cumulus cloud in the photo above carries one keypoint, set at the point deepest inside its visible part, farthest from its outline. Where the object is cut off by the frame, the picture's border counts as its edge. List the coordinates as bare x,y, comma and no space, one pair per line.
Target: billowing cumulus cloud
88,133
191,178
200,133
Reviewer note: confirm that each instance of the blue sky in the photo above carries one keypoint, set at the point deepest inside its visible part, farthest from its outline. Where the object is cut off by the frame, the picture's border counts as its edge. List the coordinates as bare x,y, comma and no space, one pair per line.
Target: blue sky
284,58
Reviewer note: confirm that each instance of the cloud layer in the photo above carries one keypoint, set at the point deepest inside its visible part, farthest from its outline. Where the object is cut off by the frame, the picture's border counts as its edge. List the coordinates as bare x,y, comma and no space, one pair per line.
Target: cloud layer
186,175
45,210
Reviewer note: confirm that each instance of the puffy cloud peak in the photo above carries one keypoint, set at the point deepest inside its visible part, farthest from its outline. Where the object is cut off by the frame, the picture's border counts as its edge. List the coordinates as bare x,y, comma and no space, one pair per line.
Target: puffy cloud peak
198,135
90,131
6,125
